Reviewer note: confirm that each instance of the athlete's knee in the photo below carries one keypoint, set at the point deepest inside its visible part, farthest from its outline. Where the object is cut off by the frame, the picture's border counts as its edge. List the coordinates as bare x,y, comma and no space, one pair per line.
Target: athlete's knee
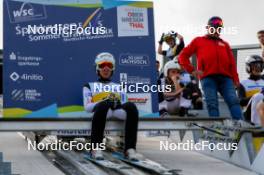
130,107
187,93
101,109
103,105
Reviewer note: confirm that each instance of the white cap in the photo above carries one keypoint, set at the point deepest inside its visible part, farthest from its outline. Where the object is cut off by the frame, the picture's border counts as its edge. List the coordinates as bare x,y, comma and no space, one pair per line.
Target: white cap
171,65
104,57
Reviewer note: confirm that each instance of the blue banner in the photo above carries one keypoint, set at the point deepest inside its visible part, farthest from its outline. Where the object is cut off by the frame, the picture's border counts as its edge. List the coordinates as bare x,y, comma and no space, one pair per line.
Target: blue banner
48,57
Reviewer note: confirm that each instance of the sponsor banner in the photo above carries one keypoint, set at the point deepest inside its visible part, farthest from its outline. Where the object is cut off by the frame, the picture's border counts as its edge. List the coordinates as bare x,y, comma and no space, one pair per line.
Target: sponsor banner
143,102
134,60
49,53
132,21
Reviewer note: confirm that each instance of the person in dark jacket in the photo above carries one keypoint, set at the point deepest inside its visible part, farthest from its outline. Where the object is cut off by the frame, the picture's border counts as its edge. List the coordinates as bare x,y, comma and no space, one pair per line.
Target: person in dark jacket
216,68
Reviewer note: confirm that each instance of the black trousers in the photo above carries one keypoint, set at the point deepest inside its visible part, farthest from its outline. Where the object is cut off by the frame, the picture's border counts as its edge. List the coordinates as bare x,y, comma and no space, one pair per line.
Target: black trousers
131,123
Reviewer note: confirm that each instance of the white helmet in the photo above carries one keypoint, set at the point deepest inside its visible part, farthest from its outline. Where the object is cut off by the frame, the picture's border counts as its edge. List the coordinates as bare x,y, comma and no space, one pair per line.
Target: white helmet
250,60
171,65
104,57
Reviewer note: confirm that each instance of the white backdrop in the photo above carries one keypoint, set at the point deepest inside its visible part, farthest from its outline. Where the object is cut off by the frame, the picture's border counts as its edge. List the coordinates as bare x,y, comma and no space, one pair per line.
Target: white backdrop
247,16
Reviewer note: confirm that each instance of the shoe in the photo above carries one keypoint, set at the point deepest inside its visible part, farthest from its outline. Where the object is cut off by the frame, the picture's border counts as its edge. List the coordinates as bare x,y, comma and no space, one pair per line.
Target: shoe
97,155
132,155
183,111
198,105
242,124
192,114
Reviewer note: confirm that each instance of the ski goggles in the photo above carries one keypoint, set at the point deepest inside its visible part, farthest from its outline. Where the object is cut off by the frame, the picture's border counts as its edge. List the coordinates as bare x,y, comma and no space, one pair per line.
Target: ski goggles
106,64
216,23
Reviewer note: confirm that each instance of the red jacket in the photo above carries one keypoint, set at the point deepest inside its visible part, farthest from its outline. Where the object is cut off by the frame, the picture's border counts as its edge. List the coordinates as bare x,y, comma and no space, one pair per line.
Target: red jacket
214,56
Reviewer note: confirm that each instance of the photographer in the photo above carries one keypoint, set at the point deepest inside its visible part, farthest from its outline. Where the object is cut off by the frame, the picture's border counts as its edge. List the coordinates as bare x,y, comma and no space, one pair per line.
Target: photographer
171,40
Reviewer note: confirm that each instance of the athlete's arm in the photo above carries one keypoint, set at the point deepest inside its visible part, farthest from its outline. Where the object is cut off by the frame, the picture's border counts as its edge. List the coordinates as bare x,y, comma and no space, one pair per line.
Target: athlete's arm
173,94
180,46
87,100
160,51
179,89
242,96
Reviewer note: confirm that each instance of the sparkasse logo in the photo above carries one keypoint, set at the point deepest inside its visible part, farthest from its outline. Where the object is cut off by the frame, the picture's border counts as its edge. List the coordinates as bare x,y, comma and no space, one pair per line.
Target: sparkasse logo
25,11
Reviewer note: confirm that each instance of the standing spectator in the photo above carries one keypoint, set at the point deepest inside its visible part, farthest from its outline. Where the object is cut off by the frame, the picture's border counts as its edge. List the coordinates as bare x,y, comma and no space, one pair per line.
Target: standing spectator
216,68
261,40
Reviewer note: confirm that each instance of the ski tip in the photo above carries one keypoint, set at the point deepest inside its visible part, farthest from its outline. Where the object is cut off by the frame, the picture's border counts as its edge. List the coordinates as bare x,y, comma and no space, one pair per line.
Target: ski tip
89,157
121,156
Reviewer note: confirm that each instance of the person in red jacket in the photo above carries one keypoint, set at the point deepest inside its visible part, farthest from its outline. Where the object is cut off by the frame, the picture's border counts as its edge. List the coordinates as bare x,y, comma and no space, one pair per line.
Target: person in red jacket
216,68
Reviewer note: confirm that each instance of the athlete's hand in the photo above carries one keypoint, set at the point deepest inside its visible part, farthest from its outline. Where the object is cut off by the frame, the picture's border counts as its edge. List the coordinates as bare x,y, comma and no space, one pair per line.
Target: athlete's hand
197,73
161,39
113,100
175,78
180,37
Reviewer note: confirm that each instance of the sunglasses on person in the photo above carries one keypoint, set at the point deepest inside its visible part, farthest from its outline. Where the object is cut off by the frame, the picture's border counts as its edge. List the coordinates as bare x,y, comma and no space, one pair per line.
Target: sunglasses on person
106,64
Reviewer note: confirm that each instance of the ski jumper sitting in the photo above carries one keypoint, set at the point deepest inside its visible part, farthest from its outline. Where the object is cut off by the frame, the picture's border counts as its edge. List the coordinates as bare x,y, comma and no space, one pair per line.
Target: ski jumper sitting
178,100
112,103
249,89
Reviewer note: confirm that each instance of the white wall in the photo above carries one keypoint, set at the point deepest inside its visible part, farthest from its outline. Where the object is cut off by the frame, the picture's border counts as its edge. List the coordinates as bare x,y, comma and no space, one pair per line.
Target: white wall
246,15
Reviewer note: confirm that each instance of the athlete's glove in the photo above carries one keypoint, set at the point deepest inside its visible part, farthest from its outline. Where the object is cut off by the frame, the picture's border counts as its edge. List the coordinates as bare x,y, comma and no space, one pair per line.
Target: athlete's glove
161,39
113,101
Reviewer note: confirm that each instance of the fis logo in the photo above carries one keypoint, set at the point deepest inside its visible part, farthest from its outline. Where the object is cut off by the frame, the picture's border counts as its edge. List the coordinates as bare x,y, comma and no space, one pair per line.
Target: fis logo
12,56
123,77
24,11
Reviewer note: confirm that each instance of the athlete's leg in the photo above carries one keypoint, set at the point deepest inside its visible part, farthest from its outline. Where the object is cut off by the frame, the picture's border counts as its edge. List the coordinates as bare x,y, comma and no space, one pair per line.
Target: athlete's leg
131,126
98,122
173,106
